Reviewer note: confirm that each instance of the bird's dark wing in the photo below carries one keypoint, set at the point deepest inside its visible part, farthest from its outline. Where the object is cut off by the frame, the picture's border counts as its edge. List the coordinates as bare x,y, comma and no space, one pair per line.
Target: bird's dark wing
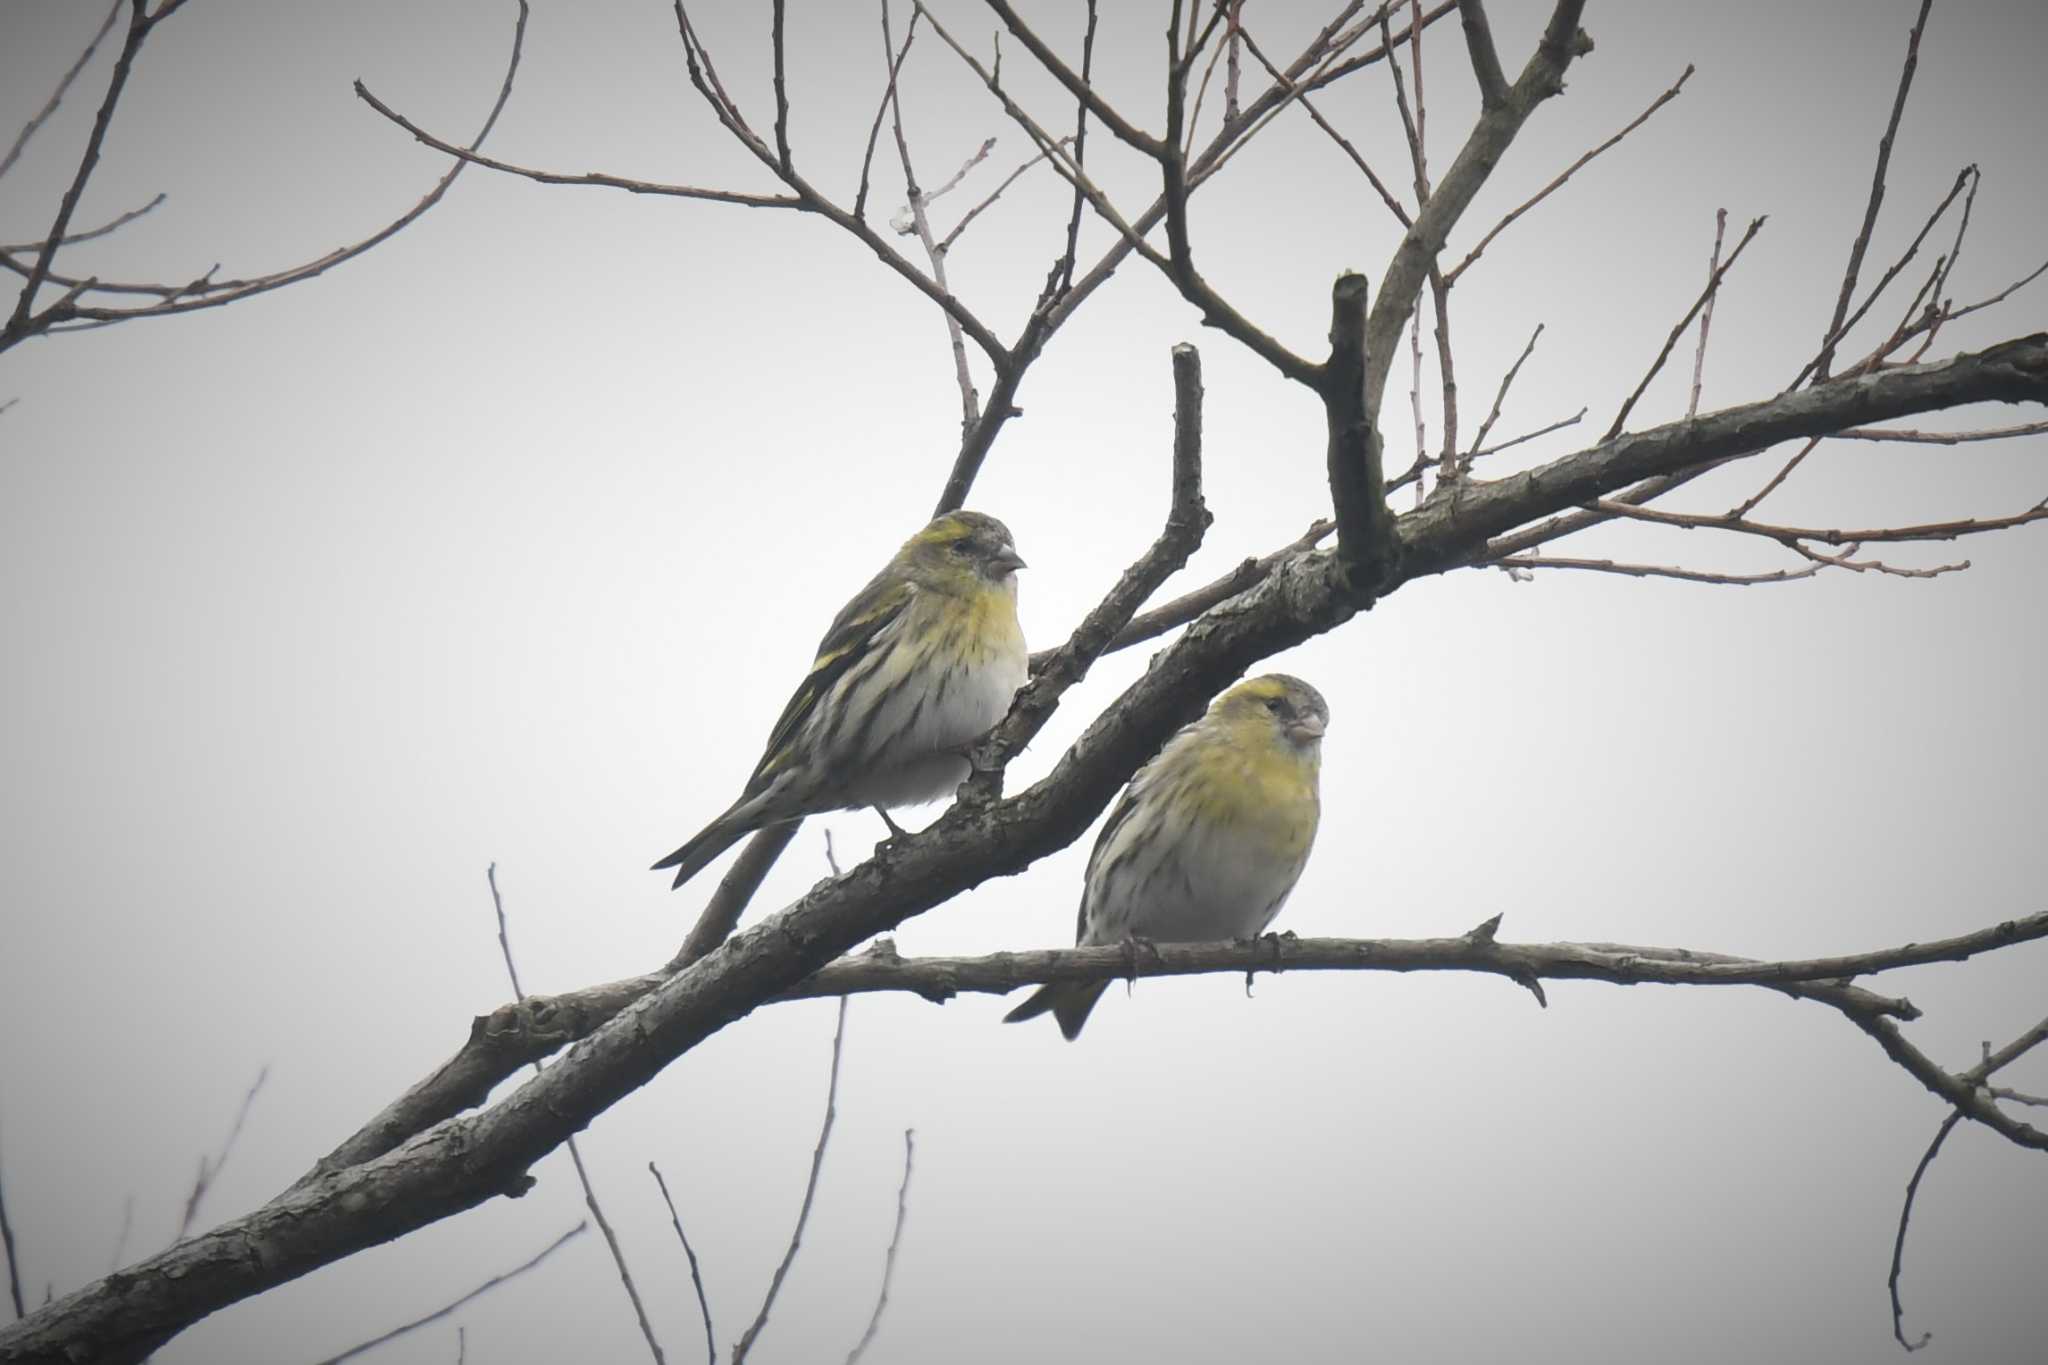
853,633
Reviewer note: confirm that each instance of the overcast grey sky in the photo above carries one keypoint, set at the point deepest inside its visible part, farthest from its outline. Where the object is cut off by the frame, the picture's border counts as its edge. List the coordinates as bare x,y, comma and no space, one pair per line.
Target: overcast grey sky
507,541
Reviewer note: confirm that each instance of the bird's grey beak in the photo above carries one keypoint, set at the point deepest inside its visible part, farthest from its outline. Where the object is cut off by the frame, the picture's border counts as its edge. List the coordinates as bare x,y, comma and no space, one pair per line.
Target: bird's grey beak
1006,560
1307,728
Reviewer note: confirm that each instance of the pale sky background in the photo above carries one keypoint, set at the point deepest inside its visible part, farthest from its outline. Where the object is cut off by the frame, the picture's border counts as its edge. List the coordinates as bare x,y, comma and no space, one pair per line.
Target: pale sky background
507,541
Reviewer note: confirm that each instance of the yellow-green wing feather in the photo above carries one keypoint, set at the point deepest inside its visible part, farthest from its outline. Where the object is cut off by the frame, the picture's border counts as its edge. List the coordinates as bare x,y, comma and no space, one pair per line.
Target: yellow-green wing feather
852,635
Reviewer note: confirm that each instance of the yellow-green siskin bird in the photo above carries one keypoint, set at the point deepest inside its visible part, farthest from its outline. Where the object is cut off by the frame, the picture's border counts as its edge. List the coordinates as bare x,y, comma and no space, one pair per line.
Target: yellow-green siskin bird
1208,838
916,667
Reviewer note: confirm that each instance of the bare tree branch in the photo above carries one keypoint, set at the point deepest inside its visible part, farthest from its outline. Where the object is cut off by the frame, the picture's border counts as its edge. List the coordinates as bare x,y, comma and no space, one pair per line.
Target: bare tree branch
1181,610
107,228
889,1261
1699,357
1308,107
946,242
1500,396
1076,86
1906,1217
970,401
210,1168
1884,157
1493,82
12,1253
704,77
69,313
1356,474
1640,119
939,979
486,1287
1790,535
611,1238
1962,180
1740,580
21,324
42,115
746,1342
1939,438
1187,520
599,179
1706,297
696,1278
1495,129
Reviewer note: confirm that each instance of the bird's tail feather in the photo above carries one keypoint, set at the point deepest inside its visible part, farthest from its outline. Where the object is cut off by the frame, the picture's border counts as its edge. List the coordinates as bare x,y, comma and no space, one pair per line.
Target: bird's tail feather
1069,1004
714,839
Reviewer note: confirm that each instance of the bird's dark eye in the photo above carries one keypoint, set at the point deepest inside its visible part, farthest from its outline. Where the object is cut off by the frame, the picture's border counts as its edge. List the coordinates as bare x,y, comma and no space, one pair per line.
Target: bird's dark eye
961,547
1275,705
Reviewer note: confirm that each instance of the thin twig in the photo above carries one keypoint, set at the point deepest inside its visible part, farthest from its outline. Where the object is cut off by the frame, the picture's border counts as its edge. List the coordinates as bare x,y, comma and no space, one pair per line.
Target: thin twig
895,1241
69,315
90,234
1699,358
1569,171
209,1170
598,179
7,1245
1900,334
1789,535
696,1277
121,1238
42,115
1905,1217
1181,610
1754,500
21,323
1884,157
946,242
1308,107
867,157
1559,425
486,1287
1500,395
1706,295
611,1238
1937,438
776,43
1654,570
970,400
746,1342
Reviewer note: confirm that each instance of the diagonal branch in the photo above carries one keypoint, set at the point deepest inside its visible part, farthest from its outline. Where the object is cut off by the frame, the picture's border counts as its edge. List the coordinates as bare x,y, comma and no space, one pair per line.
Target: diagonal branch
21,323
889,1260
472,1296
1533,200
1706,297
696,1276
206,292
1884,157
1187,520
1495,129
596,178
42,115
1076,85
803,1216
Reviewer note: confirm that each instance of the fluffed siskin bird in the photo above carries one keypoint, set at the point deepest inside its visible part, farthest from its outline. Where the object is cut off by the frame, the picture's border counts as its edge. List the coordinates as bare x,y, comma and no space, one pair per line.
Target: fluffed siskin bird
916,667
1208,838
